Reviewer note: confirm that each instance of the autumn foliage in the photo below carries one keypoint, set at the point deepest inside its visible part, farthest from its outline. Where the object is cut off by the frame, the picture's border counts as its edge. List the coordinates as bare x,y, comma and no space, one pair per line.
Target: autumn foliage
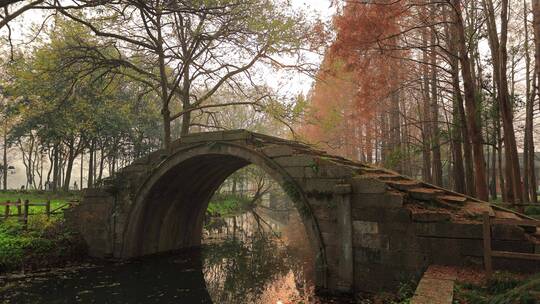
360,73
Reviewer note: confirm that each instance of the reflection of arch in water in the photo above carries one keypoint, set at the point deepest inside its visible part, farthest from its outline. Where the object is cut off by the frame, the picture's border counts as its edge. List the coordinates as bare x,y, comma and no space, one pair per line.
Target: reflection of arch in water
239,270
169,208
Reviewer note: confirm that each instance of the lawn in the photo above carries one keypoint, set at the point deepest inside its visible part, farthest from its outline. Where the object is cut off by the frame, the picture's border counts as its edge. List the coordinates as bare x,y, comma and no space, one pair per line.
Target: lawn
503,288
532,211
228,205
45,242
57,199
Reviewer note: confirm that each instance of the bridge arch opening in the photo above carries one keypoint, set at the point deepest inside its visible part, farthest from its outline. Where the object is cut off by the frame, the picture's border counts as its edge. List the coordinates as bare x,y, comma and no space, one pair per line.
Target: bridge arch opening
169,209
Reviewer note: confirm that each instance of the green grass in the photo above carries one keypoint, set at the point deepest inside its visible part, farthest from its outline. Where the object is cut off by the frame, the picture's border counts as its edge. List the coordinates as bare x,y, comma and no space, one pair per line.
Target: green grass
502,288
45,242
57,199
532,211
228,205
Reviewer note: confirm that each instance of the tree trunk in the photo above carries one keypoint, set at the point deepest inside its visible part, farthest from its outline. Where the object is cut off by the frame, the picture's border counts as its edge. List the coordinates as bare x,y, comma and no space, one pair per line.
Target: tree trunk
500,57
82,170
55,167
101,160
502,181
395,131
426,126
493,181
536,30
5,168
458,168
475,132
72,155
437,174
91,164
69,169
164,84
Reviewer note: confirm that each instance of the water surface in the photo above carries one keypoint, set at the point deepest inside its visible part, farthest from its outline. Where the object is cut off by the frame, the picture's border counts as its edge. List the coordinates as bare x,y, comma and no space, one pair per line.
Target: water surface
245,259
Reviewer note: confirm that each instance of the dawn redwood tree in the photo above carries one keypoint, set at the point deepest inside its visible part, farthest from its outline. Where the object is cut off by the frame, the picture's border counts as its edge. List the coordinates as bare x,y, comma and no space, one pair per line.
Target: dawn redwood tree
473,121
499,54
356,104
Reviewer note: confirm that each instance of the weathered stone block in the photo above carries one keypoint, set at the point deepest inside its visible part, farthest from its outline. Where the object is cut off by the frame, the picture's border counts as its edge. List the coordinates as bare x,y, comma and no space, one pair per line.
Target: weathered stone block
363,184
430,217
507,232
196,138
323,212
342,189
298,172
367,255
278,150
450,251
296,161
363,227
424,193
382,200
237,135
383,215
406,240
409,258
434,291
370,240
332,171
325,185
513,245
330,239
322,199
449,230
328,226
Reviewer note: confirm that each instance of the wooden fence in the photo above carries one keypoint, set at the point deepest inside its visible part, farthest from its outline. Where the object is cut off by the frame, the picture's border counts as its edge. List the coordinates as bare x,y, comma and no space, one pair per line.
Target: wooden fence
23,209
489,253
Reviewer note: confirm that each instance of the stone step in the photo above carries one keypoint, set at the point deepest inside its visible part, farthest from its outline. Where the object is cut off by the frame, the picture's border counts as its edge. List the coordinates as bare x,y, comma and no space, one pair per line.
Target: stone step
453,199
384,176
425,194
435,287
477,209
403,185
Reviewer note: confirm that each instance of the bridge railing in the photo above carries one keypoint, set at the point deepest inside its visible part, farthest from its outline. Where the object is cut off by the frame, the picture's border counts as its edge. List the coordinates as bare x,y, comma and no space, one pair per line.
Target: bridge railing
489,254
23,209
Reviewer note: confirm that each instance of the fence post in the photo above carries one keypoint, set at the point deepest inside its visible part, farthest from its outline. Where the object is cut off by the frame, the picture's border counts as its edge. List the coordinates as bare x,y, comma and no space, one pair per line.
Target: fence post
6,212
25,215
48,208
487,245
19,208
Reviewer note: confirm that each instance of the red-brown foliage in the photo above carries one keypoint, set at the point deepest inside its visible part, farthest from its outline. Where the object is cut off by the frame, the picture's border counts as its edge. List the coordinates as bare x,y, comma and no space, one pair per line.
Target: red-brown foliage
361,69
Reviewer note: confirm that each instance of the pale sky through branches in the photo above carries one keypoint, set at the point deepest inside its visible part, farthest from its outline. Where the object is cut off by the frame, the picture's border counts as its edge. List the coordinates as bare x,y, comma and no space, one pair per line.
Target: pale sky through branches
286,83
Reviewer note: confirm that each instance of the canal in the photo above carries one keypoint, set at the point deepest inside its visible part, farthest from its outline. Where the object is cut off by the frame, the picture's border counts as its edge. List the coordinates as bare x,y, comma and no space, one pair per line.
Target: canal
250,258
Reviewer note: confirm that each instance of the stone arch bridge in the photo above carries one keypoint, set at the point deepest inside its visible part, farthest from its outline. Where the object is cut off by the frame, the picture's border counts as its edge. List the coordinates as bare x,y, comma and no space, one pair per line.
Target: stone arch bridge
369,228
